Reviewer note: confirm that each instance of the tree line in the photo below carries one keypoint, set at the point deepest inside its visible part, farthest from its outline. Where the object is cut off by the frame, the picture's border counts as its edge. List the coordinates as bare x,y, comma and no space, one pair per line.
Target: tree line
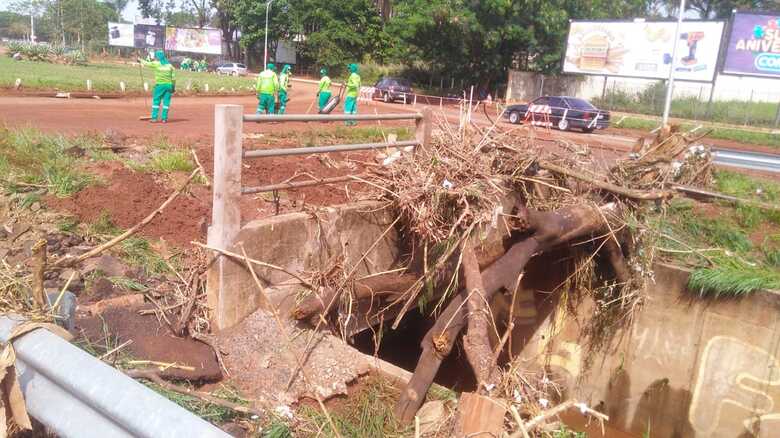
471,40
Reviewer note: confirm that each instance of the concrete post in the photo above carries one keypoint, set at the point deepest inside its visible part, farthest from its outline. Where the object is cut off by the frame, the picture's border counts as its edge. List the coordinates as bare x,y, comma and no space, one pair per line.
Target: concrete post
89,84
226,211
424,126
122,86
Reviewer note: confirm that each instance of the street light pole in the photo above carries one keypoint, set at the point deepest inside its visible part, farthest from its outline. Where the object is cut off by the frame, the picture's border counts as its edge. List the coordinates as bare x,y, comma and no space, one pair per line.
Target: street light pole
265,50
670,86
32,26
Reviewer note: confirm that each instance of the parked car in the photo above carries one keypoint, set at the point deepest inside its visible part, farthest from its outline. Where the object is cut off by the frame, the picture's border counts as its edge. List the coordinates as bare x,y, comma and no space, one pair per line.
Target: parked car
562,112
392,89
231,68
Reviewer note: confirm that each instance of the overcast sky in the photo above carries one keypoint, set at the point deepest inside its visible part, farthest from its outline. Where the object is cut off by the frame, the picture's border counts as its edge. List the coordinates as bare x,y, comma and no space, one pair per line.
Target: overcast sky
129,13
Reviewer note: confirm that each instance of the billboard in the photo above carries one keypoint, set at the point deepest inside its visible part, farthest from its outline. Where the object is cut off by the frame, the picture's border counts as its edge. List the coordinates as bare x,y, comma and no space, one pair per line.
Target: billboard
121,35
208,41
643,49
754,45
149,36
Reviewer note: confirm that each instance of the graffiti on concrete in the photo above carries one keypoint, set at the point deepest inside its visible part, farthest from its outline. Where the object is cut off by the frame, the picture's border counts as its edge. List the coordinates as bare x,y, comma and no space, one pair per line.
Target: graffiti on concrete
733,373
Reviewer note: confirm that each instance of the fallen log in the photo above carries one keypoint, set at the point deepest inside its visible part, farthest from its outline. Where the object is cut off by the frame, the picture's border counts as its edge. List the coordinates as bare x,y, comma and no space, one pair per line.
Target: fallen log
475,342
381,285
546,230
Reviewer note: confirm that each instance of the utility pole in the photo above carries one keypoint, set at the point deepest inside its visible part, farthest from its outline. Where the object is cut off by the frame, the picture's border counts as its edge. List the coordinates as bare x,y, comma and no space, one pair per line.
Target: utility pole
670,84
32,26
265,50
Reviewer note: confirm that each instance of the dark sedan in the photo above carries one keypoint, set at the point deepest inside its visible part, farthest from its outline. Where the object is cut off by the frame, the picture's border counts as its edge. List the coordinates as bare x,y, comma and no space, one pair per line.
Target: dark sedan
392,89
562,112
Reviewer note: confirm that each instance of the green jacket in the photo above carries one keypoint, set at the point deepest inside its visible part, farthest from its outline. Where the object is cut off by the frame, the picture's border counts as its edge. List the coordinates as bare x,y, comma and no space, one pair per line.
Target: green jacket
163,74
353,85
267,82
324,84
284,81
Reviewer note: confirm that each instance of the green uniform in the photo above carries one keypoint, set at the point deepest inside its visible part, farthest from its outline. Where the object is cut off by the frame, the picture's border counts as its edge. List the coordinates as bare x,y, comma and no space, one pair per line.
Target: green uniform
267,87
284,84
324,92
353,90
165,84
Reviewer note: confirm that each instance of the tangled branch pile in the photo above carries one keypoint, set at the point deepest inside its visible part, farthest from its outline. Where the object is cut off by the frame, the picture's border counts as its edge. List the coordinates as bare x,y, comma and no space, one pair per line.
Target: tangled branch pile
475,206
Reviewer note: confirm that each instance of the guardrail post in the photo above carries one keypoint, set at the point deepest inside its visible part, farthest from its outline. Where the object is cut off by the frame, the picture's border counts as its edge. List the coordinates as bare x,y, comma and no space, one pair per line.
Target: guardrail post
424,126
226,211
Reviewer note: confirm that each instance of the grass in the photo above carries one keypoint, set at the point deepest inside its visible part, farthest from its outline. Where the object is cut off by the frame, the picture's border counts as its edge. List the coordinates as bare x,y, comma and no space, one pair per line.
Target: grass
368,414
171,161
739,135
208,411
105,77
651,100
138,252
29,157
733,251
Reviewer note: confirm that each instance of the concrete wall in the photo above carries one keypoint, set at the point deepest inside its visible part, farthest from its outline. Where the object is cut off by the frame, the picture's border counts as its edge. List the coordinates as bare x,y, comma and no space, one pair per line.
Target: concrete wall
524,86
687,367
301,243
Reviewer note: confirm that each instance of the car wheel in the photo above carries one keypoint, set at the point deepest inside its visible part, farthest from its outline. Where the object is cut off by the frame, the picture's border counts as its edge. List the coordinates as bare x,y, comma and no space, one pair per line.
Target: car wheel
514,117
386,98
563,125
587,130
235,73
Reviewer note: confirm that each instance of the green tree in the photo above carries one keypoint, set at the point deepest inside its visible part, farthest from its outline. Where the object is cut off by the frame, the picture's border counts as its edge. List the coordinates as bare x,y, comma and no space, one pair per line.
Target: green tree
479,40
13,25
85,21
720,8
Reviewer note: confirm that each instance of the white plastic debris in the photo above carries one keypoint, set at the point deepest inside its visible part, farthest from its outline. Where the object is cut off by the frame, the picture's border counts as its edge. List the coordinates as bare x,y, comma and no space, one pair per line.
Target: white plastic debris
447,184
517,396
284,411
544,402
490,387
582,407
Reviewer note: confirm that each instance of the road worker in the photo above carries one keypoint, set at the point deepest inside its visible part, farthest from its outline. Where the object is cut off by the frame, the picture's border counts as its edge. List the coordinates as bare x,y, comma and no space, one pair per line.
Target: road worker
267,87
284,85
323,92
164,84
353,90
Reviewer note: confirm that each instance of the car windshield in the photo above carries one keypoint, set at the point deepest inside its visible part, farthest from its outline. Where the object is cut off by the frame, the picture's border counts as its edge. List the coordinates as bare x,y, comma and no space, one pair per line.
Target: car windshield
580,104
403,83
241,66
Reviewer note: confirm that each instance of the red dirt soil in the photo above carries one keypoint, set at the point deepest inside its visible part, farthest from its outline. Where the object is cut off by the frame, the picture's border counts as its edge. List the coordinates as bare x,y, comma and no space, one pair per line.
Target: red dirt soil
131,196
152,342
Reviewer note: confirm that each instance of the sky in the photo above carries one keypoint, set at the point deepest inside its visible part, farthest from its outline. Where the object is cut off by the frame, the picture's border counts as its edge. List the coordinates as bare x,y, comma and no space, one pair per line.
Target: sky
128,14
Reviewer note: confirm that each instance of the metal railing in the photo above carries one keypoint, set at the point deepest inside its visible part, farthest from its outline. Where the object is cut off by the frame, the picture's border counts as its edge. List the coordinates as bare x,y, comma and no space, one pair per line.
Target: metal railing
229,154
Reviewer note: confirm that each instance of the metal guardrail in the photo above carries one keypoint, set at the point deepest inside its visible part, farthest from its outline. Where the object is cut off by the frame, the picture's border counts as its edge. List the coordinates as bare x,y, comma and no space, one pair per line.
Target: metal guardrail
330,117
77,395
325,149
747,160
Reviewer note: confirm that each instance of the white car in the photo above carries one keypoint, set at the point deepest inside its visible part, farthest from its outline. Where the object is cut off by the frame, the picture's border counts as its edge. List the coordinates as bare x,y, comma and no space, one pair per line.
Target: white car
231,68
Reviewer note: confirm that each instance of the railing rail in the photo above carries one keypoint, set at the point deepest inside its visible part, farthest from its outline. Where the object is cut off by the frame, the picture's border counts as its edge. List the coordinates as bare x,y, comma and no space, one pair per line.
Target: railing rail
228,162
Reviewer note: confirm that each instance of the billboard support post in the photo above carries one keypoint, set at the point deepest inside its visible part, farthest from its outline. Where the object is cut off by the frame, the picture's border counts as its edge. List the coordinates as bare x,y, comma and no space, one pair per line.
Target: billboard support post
777,115
670,87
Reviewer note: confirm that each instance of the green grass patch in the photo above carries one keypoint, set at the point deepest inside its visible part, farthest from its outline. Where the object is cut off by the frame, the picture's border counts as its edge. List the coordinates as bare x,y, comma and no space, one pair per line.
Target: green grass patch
106,77
733,277
171,161
30,157
733,250
138,252
747,136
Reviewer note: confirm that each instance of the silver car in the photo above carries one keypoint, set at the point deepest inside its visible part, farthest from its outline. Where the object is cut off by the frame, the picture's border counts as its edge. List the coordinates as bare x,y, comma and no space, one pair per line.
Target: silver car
232,69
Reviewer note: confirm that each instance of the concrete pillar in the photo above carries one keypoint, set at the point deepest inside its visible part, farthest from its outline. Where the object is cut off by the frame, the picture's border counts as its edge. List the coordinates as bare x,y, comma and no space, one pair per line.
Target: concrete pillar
226,211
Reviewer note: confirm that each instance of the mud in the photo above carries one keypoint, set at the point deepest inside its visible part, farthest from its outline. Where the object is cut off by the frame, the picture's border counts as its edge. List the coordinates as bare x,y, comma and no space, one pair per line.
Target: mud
151,341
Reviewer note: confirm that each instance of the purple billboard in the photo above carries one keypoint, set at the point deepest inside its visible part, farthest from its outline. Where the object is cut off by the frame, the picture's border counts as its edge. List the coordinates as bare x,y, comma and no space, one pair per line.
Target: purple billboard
754,46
